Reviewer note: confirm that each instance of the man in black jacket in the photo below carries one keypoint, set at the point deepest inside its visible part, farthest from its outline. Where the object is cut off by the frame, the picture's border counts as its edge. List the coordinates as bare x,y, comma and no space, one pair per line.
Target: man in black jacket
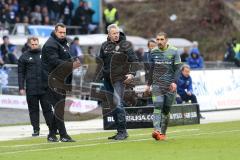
57,61
116,53
30,70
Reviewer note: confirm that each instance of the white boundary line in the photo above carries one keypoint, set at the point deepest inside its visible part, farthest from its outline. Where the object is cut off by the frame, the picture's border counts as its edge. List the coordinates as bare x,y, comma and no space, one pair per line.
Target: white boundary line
115,142
99,138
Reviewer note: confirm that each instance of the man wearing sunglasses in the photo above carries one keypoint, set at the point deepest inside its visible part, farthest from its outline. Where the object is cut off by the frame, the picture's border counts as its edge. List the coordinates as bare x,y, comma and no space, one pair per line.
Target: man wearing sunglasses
165,65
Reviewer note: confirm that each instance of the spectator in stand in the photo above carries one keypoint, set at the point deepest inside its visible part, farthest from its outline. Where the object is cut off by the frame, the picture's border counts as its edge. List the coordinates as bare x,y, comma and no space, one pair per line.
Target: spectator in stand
13,9
15,6
54,7
146,57
8,51
23,13
3,13
140,54
80,18
43,2
24,3
46,21
66,12
236,49
9,15
110,16
90,58
36,17
47,12
17,19
230,54
185,54
44,13
151,44
75,50
195,61
26,46
26,19
33,3
88,14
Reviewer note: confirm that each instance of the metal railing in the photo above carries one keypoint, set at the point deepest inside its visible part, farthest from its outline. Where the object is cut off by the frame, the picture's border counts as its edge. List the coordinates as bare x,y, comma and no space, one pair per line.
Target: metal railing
9,77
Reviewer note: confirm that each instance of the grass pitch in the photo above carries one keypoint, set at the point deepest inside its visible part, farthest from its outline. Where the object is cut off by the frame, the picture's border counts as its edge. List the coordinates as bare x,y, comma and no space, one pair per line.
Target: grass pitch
216,141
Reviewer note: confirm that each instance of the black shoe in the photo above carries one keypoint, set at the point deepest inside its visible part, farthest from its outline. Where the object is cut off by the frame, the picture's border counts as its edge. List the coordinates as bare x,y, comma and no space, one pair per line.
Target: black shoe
121,136
52,138
35,133
66,138
112,137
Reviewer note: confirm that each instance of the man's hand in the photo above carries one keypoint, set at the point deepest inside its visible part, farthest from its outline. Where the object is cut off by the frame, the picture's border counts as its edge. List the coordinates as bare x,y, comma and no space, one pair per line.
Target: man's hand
173,87
189,93
1,61
129,78
147,90
22,92
76,64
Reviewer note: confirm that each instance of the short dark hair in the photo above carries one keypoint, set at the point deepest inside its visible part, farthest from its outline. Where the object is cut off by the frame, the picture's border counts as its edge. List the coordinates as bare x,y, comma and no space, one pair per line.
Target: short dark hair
76,39
163,34
5,37
151,41
59,25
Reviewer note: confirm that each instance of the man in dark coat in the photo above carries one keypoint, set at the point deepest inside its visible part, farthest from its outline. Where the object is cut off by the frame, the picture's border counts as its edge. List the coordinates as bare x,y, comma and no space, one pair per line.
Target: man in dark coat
30,71
57,61
116,53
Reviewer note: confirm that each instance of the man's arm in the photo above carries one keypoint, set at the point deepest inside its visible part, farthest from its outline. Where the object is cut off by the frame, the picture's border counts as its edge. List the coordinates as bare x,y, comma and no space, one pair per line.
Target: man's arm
133,62
151,68
99,70
201,63
176,67
132,58
150,74
180,86
1,60
190,85
21,74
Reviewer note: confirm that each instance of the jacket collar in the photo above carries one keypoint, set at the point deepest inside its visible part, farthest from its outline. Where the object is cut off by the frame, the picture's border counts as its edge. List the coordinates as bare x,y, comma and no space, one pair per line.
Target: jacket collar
35,50
122,37
62,41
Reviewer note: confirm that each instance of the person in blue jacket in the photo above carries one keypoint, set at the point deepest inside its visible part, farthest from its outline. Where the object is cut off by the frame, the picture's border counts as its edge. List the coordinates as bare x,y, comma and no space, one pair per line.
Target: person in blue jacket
184,88
195,61
184,85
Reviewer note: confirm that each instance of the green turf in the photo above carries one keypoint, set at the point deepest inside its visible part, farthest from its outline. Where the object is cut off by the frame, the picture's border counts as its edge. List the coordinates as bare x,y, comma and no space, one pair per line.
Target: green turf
216,141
